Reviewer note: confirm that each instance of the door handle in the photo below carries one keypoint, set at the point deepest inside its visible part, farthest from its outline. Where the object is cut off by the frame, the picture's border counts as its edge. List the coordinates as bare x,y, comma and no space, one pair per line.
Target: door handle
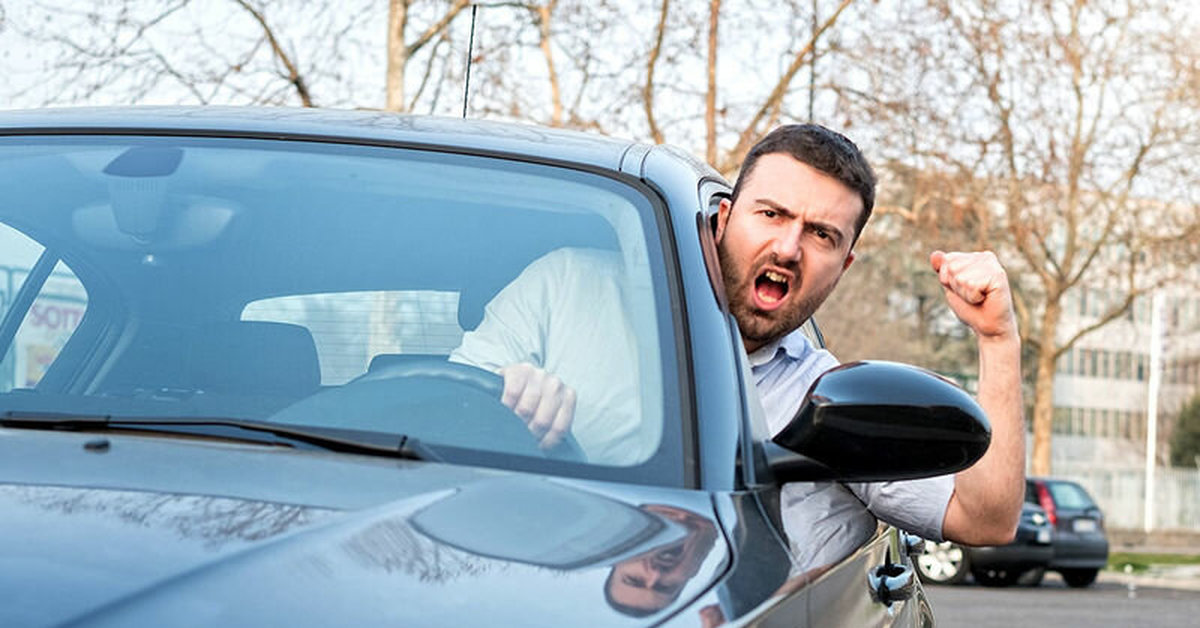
891,583
913,544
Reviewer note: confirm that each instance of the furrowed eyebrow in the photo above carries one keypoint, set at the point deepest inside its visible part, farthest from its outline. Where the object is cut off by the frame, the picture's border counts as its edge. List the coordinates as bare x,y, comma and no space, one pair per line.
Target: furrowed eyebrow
838,237
775,206
837,234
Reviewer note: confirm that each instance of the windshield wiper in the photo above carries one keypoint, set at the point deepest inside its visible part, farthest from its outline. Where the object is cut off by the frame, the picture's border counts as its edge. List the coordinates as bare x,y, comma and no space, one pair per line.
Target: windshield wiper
337,439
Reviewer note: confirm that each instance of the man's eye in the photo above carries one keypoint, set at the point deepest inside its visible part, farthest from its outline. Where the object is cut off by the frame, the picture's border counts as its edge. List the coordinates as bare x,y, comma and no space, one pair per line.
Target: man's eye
770,213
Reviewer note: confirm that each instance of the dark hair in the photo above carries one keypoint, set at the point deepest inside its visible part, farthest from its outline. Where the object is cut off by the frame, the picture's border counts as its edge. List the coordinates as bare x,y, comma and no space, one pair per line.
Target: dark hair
825,150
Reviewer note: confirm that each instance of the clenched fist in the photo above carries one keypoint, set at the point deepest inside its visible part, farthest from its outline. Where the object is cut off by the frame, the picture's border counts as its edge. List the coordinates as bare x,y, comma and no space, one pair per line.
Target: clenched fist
977,291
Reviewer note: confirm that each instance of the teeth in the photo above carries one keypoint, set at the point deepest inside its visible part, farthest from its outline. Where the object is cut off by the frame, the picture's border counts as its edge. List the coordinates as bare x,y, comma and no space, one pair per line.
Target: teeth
776,277
767,298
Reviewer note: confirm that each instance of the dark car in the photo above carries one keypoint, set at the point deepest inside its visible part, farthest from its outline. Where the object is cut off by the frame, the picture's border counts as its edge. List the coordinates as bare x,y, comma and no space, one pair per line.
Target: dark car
228,396
1023,560
1080,543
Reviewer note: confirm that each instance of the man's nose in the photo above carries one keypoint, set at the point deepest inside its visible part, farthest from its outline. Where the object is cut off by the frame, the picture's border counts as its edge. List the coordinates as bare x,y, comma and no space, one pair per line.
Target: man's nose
787,243
651,574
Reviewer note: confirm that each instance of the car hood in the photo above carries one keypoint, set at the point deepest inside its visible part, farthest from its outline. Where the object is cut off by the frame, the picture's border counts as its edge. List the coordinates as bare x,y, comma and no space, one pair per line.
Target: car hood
152,531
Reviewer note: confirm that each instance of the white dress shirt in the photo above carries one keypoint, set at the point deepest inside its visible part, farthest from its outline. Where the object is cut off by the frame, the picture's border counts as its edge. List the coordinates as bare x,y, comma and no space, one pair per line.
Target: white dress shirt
825,521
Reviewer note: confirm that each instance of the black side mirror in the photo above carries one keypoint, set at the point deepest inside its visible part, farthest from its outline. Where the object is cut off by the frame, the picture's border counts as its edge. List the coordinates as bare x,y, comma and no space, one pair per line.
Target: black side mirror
877,421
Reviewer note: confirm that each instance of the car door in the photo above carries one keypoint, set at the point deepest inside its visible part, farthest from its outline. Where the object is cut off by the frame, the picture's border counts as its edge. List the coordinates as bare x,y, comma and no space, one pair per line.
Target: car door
874,586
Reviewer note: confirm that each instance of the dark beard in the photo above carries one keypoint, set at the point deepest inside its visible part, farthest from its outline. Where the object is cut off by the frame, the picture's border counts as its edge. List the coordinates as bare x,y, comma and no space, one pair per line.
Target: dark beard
756,325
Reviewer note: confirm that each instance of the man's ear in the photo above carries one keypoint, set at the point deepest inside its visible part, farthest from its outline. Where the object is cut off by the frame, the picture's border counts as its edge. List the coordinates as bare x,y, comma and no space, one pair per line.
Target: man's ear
848,262
723,210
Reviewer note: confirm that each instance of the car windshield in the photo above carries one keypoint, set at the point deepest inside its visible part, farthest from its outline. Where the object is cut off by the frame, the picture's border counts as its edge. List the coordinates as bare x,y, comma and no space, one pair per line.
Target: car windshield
335,285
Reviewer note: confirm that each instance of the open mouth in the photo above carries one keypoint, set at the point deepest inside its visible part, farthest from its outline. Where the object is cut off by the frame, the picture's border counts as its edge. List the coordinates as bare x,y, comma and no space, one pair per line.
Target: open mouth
770,287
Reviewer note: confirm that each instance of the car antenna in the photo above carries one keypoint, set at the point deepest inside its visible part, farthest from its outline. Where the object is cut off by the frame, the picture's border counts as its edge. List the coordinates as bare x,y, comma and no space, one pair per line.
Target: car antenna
470,54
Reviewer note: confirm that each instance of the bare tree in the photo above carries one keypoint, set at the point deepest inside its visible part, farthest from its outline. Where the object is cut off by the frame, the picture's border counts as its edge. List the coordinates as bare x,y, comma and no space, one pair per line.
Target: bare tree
710,96
1052,136
768,112
401,50
648,88
234,51
540,61
291,74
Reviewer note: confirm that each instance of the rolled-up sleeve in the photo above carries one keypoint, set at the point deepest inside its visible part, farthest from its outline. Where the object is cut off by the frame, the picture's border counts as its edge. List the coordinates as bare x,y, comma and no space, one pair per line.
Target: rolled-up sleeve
918,506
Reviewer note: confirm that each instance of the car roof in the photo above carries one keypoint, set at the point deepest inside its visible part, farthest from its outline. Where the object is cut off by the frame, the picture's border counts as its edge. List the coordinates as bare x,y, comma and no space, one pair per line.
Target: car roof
366,126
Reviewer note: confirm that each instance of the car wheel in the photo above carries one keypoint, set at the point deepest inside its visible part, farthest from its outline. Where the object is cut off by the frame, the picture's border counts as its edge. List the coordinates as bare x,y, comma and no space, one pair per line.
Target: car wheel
1079,578
995,577
1032,578
942,563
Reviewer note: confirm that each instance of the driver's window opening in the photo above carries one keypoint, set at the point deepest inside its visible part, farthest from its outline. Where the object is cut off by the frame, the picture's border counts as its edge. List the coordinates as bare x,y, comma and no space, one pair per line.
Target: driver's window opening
400,322
51,318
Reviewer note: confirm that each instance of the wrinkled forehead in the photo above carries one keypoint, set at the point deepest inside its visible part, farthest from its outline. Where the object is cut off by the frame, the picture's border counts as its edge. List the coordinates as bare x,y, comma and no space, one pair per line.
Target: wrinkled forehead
781,179
838,212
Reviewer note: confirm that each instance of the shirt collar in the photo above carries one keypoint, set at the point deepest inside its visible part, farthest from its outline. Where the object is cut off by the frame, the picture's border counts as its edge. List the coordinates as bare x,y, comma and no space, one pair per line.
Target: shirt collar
795,345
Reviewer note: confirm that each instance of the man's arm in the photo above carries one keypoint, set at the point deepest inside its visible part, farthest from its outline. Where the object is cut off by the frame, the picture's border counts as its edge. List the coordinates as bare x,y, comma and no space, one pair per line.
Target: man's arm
508,342
986,503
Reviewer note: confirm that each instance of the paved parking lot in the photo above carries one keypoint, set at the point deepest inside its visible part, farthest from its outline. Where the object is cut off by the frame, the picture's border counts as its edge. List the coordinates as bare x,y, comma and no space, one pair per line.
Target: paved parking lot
1053,604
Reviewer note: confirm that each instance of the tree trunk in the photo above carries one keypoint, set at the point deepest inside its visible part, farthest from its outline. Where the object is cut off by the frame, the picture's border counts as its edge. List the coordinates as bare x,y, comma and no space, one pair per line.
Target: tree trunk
710,96
397,54
545,13
648,88
1043,391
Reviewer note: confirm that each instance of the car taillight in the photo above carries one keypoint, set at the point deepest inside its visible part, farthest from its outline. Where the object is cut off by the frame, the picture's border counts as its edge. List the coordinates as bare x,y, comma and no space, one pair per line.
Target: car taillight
1047,503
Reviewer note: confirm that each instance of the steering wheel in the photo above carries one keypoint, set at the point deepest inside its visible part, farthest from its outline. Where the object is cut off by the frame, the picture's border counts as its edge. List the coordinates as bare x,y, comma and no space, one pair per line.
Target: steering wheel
420,387
465,374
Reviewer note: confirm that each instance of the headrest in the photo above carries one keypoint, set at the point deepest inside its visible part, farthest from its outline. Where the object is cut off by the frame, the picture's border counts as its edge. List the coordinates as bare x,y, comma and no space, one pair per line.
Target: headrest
255,357
472,303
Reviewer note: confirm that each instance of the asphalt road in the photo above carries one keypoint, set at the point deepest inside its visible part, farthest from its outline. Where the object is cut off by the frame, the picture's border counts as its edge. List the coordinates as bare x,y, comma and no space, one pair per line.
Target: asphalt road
1054,605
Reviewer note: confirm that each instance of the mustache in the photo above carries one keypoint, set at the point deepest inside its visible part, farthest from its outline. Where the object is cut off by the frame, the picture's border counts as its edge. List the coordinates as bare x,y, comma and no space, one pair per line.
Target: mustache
792,266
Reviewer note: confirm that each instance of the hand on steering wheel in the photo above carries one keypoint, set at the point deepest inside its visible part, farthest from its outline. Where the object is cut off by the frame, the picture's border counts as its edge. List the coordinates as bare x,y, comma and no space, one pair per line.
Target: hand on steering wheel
537,397
541,399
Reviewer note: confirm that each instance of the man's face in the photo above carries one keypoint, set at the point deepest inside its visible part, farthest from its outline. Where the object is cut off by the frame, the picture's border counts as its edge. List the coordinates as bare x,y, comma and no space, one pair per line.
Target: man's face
784,245
653,580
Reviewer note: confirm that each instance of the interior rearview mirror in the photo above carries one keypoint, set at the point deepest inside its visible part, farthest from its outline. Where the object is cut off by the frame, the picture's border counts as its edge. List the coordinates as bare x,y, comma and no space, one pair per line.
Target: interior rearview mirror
877,421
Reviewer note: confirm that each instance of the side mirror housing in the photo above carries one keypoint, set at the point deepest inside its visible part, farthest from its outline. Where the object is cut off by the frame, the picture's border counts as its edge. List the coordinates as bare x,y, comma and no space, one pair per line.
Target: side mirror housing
880,421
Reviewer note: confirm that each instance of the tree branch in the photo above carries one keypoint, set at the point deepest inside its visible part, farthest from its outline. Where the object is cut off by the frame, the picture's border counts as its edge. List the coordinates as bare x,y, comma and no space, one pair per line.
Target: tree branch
437,27
774,100
293,74
648,86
